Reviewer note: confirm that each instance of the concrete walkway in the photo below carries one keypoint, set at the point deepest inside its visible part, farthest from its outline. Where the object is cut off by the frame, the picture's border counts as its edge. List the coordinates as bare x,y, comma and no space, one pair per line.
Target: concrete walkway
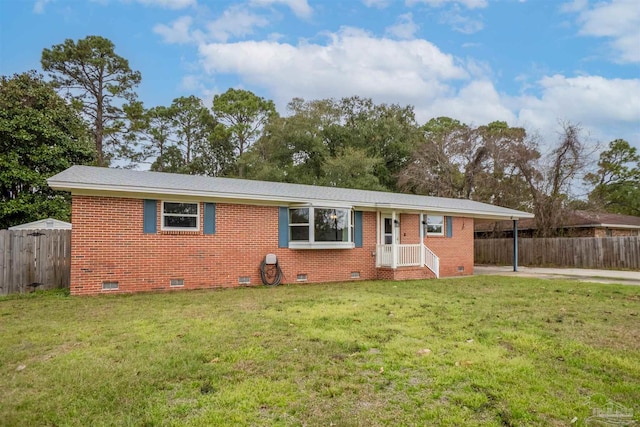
586,275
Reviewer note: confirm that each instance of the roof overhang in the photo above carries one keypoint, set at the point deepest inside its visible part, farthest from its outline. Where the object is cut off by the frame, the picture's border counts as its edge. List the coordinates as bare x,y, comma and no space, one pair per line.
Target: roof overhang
142,192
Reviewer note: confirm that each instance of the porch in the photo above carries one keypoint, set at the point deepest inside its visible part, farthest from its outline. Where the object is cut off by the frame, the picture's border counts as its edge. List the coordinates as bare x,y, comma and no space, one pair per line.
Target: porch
394,256
394,253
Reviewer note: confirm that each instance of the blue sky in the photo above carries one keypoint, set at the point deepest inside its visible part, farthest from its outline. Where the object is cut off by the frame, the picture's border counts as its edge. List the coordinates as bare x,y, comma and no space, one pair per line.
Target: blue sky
531,63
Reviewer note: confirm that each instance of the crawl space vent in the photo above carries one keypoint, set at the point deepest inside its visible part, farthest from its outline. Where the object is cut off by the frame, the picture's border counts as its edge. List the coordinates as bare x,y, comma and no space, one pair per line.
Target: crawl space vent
355,274
244,280
301,277
109,286
176,282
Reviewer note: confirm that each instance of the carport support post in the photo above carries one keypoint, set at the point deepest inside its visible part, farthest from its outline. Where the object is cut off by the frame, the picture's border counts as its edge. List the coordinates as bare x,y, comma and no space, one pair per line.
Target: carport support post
515,245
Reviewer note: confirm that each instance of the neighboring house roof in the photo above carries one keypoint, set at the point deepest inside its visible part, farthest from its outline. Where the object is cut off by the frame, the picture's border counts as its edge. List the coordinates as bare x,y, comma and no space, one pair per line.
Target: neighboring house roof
574,219
49,223
128,183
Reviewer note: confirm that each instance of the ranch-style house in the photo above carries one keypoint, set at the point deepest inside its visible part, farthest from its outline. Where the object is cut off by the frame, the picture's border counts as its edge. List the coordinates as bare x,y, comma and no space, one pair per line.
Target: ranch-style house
144,231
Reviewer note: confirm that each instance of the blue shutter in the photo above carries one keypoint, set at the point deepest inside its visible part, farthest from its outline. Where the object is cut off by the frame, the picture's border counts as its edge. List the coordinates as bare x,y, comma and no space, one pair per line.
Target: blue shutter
209,218
357,229
150,216
283,227
449,223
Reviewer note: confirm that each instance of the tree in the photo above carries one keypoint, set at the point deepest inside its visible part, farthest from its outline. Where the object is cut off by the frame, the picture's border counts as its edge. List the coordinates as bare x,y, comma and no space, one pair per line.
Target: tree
352,169
40,135
436,167
291,149
156,132
102,84
550,178
477,163
386,131
616,183
492,174
244,114
185,138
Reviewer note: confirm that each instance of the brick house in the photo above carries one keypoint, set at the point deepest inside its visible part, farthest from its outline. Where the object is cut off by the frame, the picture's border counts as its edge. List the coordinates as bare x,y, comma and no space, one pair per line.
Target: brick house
143,231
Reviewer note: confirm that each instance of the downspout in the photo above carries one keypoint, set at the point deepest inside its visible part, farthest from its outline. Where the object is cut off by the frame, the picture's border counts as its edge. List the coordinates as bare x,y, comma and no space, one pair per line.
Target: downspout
515,245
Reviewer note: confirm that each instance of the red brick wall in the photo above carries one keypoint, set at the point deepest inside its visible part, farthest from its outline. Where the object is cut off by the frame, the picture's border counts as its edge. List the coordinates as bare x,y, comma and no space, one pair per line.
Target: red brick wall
108,244
409,229
456,251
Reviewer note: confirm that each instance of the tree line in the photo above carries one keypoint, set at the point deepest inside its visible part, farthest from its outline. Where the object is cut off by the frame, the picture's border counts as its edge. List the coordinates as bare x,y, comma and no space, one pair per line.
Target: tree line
88,112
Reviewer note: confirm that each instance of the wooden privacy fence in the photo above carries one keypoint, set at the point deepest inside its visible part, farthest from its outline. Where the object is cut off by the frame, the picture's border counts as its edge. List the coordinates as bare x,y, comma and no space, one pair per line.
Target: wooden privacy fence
34,259
579,252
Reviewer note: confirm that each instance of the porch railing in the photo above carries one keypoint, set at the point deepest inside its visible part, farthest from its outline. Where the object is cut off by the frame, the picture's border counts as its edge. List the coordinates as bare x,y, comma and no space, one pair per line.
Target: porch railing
431,261
407,256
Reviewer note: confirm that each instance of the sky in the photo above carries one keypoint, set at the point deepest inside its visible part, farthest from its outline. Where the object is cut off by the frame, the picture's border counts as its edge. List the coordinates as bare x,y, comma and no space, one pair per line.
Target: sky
531,63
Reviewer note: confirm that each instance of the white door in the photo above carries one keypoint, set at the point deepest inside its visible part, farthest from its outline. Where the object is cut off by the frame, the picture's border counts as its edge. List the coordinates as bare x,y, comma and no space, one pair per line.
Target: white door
387,231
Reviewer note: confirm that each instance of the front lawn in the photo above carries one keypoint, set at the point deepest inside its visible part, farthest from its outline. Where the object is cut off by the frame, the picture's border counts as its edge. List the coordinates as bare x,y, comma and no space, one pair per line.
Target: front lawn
475,351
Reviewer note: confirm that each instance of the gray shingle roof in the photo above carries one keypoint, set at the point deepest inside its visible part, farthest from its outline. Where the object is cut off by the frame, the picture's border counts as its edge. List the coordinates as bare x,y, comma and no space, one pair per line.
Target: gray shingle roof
95,180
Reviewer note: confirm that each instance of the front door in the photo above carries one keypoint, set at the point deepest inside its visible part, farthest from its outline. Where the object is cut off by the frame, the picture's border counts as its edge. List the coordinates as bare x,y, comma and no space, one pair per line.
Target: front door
387,231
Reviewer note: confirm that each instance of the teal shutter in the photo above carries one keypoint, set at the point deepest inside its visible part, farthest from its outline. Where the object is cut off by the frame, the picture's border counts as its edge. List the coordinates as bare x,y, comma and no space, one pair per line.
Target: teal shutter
209,218
150,216
283,227
357,229
449,223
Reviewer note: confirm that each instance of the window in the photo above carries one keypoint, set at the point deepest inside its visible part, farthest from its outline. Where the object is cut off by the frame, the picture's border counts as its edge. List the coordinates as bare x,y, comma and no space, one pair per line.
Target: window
299,224
331,225
320,228
435,225
180,216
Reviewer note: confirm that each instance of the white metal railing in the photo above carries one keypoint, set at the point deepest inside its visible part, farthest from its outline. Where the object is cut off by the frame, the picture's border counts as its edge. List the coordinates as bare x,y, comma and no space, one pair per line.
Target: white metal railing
431,261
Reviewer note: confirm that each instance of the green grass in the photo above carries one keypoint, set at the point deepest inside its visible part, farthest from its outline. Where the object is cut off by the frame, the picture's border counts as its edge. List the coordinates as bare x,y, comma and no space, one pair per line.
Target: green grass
503,352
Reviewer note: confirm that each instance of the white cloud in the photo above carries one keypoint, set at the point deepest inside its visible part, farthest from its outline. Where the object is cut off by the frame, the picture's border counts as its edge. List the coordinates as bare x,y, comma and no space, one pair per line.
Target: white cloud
192,83
168,4
607,108
460,23
299,7
416,72
470,4
618,20
574,6
236,21
476,103
404,28
351,63
379,4
177,32
38,6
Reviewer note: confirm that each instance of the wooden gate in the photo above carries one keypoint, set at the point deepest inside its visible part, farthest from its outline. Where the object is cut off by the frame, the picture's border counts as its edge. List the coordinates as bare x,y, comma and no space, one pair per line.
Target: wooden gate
34,259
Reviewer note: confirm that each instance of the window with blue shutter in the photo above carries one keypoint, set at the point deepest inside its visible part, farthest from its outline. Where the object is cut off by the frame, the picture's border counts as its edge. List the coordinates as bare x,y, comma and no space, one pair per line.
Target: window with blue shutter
150,216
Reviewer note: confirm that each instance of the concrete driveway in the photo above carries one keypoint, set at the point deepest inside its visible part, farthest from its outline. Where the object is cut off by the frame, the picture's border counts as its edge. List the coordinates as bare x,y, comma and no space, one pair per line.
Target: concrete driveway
583,274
